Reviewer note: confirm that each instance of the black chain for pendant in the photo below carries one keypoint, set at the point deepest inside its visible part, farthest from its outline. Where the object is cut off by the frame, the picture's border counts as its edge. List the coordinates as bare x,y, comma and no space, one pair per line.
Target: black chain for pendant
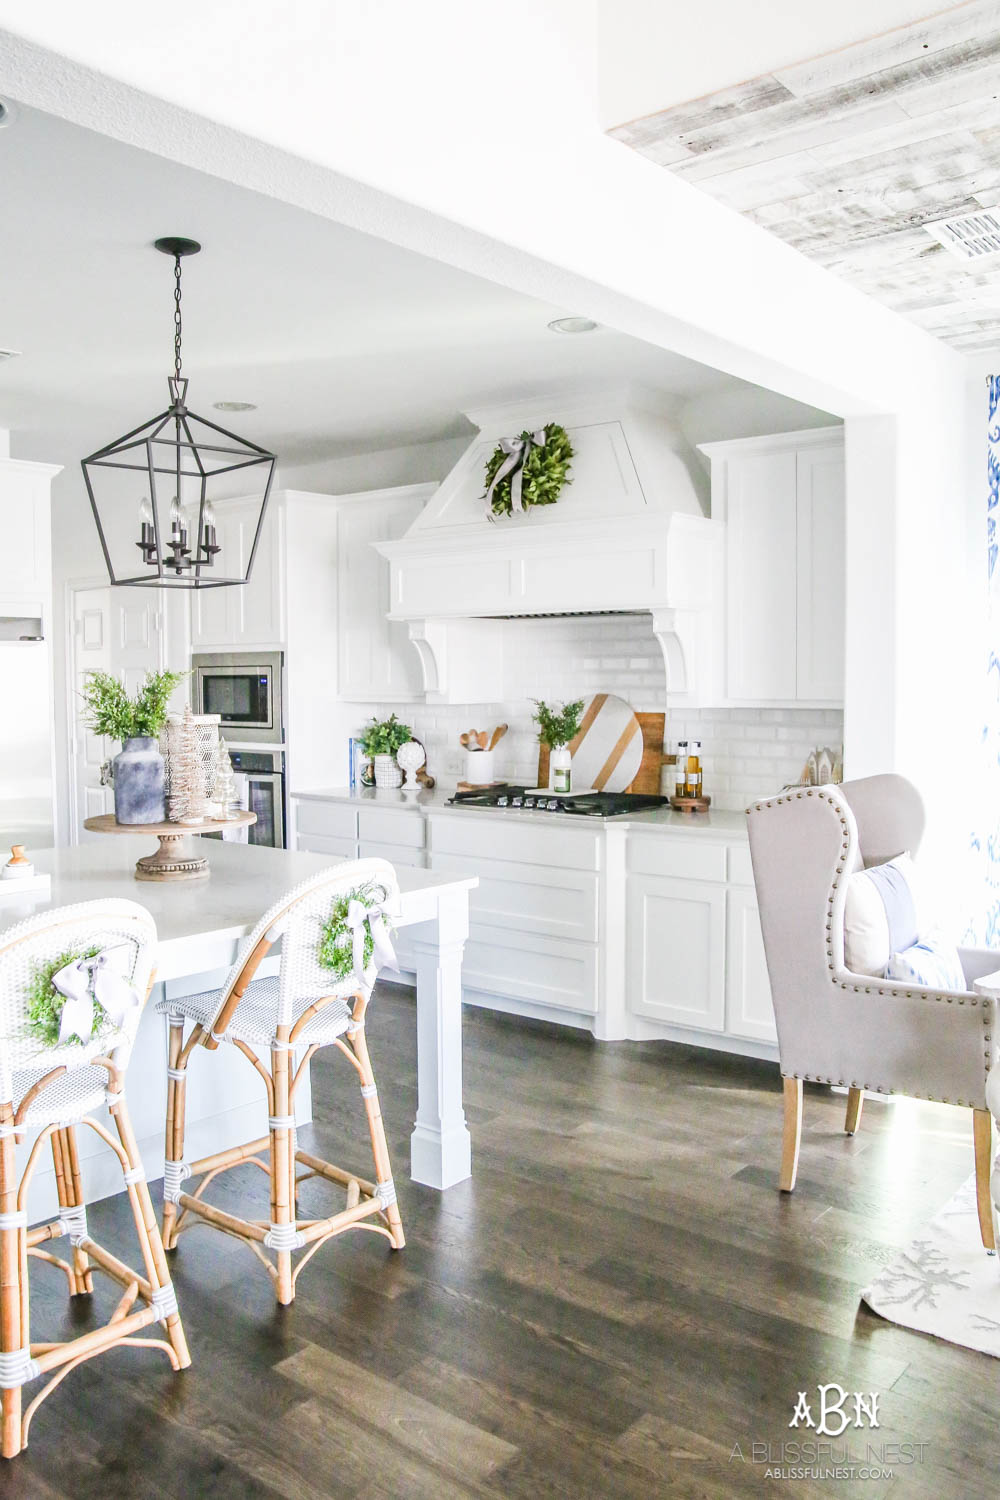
177,317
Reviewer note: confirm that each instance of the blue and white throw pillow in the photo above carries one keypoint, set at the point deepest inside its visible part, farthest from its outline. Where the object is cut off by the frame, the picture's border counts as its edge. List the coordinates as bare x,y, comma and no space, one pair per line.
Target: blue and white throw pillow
933,963
885,912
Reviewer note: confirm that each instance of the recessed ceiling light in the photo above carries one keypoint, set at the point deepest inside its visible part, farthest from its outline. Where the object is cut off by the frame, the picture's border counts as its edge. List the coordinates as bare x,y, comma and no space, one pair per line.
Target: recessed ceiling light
6,113
572,325
234,406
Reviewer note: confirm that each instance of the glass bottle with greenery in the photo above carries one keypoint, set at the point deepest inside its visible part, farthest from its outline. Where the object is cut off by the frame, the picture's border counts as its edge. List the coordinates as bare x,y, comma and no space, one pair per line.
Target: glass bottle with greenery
556,727
557,724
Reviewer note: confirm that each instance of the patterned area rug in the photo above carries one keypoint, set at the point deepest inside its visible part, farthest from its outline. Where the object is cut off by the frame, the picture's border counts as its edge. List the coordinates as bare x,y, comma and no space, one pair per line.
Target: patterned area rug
944,1283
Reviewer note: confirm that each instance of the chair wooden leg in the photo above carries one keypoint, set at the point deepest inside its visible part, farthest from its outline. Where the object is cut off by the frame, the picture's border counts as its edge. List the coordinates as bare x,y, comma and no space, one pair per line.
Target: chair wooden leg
380,1149
982,1137
855,1101
173,1146
151,1244
282,1163
74,1180
13,1333
791,1135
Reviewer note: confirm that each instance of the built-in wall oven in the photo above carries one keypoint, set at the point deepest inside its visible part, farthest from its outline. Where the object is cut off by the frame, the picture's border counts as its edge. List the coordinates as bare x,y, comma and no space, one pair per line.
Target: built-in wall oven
244,689
265,793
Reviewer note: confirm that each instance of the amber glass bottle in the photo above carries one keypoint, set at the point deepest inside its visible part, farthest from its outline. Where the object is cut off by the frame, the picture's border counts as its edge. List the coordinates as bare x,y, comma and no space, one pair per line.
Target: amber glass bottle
692,779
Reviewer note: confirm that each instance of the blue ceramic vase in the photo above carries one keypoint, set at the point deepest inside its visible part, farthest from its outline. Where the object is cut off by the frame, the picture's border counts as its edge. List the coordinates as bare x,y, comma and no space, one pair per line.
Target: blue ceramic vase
138,782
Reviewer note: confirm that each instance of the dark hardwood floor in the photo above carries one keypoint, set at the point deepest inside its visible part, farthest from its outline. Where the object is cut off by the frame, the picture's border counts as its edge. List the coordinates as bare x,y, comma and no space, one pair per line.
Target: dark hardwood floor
615,1301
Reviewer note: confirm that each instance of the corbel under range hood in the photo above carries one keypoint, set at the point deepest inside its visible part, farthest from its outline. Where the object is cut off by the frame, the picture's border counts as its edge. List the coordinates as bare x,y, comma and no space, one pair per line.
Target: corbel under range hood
628,535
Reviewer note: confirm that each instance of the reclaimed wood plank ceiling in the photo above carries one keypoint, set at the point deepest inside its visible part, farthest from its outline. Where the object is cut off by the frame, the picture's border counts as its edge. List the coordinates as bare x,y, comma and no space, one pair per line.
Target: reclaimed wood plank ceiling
848,156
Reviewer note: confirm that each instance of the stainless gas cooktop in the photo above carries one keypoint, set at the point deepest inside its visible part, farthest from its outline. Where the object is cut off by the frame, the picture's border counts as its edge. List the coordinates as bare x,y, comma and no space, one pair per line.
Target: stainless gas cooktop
580,804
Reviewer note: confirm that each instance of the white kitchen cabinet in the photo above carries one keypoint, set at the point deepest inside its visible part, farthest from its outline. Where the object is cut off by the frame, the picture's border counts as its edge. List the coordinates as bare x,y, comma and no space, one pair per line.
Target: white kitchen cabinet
534,920
232,619
26,554
675,950
821,563
781,633
632,932
749,1011
376,658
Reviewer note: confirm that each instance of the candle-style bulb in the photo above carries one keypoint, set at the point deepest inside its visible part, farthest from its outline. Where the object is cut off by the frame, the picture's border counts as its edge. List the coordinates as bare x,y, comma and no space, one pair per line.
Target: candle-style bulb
209,514
176,514
145,511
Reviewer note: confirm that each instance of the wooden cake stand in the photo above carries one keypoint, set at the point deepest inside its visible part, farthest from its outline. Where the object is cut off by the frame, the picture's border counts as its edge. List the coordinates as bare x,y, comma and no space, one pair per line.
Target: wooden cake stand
176,858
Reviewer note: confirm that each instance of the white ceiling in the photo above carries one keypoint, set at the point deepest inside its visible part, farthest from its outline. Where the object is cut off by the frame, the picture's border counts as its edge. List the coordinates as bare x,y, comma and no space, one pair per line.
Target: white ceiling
344,342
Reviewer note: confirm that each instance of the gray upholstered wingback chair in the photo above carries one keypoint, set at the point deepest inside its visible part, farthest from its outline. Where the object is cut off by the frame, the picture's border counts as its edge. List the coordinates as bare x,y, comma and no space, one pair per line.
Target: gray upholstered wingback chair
836,1027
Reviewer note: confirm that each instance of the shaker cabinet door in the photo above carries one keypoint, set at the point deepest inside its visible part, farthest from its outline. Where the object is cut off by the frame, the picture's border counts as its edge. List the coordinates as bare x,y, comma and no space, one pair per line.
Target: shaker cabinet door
675,959
749,1012
377,660
761,569
821,571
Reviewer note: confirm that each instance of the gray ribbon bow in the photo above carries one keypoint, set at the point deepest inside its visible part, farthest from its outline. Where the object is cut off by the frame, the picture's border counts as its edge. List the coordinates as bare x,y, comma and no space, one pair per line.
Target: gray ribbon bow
383,956
517,450
81,983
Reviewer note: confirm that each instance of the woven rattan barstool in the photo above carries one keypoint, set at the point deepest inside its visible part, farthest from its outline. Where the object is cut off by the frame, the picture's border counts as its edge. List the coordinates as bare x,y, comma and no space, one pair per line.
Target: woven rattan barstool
53,1087
308,1006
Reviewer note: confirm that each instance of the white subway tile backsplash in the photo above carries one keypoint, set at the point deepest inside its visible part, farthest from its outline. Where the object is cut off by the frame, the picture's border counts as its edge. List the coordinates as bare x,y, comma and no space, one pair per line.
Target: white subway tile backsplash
747,752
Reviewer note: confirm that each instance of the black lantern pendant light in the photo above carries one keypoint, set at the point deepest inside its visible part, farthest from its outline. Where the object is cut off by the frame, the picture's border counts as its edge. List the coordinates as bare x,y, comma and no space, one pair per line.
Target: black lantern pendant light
167,514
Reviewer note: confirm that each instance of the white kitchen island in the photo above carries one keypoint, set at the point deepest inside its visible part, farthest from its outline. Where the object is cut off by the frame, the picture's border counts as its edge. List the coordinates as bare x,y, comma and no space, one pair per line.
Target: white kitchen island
200,924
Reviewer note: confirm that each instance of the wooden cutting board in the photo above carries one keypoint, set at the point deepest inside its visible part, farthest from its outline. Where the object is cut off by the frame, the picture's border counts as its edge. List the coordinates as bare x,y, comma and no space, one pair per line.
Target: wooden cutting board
646,778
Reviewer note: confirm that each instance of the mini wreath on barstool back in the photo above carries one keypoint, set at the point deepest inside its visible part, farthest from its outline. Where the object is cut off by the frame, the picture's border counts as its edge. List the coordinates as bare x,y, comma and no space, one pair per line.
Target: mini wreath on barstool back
76,997
336,943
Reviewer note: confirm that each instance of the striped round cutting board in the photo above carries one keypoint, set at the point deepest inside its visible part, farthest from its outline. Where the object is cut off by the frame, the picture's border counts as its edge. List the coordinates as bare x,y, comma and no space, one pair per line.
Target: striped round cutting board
607,751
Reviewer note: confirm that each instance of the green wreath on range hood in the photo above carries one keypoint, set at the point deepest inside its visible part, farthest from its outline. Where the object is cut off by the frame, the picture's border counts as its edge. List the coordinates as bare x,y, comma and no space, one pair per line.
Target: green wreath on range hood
527,470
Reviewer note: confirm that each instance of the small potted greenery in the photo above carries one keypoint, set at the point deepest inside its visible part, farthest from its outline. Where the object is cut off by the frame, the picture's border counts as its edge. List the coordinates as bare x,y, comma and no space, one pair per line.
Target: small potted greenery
380,741
556,727
137,771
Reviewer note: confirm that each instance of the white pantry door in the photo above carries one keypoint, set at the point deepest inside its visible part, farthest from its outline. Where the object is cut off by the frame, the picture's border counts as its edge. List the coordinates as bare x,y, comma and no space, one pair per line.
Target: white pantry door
118,631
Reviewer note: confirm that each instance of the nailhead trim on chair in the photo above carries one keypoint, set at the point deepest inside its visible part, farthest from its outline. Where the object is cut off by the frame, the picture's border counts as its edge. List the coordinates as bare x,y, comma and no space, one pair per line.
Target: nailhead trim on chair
857,989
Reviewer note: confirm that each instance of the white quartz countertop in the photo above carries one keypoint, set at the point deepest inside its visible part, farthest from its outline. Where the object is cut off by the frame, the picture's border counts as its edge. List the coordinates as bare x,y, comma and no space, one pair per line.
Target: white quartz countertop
725,825
245,880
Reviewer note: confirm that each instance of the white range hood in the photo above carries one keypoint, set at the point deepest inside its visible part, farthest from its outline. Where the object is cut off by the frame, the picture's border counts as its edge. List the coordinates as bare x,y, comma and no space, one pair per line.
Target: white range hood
629,534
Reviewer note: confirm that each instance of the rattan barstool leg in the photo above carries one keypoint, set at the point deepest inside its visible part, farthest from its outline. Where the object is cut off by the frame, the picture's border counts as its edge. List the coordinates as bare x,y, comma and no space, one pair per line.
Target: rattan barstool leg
173,1148
60,1165
12,1335
282,1164
380,1149
148,1230
74,1184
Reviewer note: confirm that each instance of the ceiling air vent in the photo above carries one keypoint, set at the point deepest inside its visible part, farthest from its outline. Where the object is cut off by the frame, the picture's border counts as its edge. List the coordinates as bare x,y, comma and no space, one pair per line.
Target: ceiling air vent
970,237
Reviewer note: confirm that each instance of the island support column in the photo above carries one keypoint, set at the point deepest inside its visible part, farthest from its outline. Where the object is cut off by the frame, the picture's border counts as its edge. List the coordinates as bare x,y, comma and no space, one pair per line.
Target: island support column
440,1146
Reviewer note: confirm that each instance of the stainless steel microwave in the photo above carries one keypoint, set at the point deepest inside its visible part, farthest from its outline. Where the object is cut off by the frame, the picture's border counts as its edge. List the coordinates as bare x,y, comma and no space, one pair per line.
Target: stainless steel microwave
244,689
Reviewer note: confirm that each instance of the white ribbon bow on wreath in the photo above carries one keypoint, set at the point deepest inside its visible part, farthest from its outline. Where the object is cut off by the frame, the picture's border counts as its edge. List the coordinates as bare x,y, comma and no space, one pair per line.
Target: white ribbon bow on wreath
383,956
87,980
517,450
